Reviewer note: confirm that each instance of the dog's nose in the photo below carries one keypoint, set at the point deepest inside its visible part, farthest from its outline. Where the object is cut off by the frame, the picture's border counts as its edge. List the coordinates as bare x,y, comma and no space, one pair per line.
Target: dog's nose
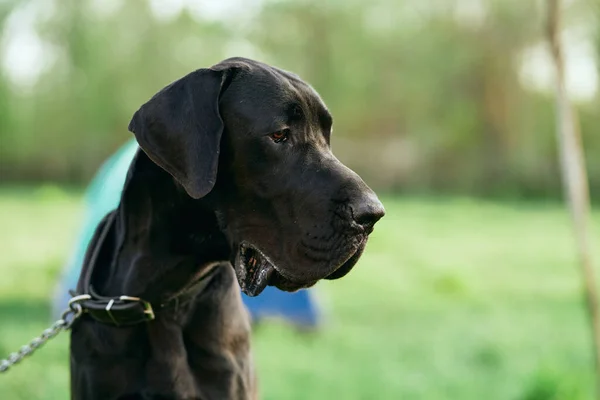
367,210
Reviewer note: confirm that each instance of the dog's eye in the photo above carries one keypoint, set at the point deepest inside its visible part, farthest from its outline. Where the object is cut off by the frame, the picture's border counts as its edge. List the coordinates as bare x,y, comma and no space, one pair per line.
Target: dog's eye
280,136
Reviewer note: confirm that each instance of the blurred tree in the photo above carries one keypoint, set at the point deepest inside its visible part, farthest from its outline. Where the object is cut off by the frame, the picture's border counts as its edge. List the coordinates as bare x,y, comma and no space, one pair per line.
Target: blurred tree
446,85
106,65
426,96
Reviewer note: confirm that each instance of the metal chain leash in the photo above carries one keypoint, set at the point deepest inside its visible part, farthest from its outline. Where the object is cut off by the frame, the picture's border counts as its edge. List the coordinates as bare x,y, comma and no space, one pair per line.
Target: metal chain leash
64,323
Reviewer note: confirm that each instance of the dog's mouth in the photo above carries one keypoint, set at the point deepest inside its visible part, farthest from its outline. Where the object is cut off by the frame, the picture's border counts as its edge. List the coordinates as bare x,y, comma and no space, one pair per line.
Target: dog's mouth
255,270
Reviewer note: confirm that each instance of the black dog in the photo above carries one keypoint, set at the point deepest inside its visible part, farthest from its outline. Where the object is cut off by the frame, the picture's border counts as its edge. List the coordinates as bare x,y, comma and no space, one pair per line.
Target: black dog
235,169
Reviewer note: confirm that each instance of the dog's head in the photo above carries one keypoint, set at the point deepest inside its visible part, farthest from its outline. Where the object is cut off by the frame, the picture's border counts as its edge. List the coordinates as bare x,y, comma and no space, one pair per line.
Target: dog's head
255,140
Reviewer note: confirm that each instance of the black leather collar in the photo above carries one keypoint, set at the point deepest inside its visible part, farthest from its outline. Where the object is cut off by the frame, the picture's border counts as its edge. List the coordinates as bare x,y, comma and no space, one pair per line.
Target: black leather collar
127,310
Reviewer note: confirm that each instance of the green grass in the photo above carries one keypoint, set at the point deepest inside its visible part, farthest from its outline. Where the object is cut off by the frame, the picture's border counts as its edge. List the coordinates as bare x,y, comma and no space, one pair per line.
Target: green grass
454,299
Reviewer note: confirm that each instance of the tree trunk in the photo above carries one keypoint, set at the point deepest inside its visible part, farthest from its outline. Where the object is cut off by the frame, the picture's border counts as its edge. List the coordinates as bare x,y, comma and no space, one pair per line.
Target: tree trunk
575,180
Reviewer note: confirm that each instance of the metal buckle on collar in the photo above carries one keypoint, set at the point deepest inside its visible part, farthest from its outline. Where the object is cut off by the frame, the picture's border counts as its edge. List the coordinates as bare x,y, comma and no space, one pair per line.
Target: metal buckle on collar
148,311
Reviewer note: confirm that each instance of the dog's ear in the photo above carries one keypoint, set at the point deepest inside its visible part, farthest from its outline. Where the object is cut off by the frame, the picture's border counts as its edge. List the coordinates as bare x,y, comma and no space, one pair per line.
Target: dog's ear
180,129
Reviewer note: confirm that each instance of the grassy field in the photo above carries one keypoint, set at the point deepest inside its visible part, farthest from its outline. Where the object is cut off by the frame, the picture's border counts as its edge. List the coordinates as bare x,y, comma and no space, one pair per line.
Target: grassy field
454,299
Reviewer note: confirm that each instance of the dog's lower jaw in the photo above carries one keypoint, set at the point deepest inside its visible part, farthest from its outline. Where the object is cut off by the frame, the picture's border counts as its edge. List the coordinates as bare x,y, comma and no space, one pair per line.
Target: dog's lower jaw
255,270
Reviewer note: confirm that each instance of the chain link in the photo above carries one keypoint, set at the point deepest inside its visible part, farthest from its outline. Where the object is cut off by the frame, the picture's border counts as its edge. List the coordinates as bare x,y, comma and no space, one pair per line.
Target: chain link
64,323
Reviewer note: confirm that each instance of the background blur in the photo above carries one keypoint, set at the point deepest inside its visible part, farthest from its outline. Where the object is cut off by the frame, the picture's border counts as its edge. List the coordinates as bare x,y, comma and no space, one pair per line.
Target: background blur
469,287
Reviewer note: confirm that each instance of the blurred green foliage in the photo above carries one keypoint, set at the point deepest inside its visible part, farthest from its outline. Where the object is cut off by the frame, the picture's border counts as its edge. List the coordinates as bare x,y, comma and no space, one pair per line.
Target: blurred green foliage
426,97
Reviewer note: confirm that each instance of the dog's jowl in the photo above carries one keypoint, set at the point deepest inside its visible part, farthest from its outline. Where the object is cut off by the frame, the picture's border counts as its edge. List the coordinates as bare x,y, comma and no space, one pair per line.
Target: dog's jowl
234,185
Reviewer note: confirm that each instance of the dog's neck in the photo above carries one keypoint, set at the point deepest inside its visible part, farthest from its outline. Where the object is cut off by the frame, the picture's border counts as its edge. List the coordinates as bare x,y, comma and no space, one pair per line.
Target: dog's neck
162,238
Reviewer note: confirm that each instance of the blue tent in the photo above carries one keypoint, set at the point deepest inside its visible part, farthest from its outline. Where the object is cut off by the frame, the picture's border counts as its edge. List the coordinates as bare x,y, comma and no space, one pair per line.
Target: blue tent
103,195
